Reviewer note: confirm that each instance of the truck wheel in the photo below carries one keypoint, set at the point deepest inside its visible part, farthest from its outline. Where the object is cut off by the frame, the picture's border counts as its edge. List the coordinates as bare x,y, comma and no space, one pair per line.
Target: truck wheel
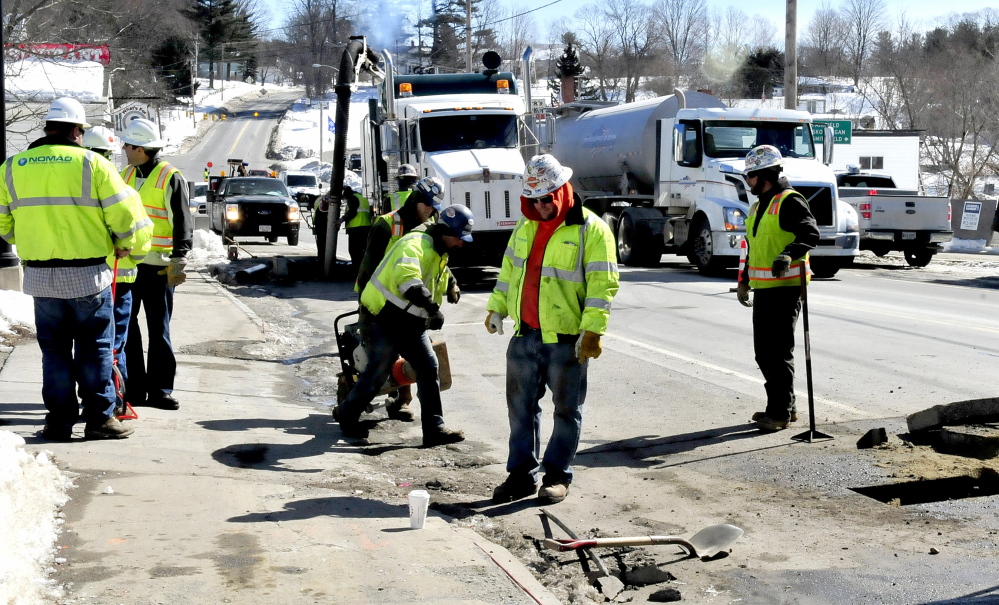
701,252
292,239
919,258
611,221
632,249
824,267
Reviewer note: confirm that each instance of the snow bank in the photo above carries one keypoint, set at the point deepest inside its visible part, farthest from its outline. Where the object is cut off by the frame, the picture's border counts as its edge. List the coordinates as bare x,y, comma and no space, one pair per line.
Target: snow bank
47,79
32,489
964,245
16,309
207,250
298,133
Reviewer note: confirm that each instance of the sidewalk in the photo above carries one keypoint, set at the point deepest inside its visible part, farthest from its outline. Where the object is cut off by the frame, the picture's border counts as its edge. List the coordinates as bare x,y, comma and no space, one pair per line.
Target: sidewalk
208,504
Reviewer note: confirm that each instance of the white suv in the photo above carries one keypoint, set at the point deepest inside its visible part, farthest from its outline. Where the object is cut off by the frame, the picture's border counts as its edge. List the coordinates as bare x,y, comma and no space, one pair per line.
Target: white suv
303,185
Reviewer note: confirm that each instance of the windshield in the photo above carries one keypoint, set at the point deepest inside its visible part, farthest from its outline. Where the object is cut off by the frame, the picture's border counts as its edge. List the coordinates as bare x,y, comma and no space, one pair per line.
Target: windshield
865,180
272,187
446,133
735,139
200,190
302,180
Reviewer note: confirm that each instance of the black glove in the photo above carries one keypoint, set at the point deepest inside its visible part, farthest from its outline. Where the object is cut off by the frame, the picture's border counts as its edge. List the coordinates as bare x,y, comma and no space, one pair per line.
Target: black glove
420,297
436,320
781,265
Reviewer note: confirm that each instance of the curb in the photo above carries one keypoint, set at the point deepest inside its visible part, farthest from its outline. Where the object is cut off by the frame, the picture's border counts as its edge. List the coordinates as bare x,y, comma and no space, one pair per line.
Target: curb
256,319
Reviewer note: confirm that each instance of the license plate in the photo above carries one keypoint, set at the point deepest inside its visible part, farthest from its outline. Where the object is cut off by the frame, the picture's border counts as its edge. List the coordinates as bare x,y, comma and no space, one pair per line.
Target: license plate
265,228
908,235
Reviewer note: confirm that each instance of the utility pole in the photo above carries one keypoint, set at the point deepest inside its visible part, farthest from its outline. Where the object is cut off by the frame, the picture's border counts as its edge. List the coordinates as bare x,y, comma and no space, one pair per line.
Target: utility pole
10,265
468,36
194,76
791,56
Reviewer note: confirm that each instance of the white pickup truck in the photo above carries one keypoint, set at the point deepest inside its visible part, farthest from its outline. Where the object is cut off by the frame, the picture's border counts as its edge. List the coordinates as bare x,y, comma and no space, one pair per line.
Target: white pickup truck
895,219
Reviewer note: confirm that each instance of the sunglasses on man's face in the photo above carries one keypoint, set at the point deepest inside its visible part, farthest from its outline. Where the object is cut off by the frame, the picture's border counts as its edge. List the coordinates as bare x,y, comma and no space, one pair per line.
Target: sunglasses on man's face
548,199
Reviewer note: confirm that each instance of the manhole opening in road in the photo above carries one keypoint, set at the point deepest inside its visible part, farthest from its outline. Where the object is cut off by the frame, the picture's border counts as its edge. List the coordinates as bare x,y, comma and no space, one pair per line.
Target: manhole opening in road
934,490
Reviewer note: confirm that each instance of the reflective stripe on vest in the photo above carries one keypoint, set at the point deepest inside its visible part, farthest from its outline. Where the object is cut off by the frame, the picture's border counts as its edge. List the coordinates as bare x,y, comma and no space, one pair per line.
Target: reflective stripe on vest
363,216
768,243
415,248
154,202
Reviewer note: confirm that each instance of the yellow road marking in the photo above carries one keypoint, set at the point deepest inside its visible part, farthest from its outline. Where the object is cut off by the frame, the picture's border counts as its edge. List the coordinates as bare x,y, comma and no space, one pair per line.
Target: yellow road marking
238,137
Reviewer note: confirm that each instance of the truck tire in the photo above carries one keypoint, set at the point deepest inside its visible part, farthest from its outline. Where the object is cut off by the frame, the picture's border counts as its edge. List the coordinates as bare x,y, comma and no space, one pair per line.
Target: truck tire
292,239
825,267
633,247
919,258
701,249
612,221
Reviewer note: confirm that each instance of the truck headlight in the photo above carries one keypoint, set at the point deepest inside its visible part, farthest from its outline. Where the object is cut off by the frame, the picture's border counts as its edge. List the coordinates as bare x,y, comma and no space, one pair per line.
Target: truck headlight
231,212
294,214
735,219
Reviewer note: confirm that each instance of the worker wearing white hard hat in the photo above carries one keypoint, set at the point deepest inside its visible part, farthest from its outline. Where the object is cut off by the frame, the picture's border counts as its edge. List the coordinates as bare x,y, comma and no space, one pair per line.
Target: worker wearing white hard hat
99,139
64,246
780,230
165,196
557,281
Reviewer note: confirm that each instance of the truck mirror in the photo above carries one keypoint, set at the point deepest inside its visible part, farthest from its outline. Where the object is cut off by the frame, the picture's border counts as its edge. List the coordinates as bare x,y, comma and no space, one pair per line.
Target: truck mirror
679,130
827,144
390,138
210,196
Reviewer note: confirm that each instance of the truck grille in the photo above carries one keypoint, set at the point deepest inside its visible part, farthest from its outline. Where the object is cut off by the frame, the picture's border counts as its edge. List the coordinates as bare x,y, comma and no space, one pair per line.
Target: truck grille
489,206
820,200
506,203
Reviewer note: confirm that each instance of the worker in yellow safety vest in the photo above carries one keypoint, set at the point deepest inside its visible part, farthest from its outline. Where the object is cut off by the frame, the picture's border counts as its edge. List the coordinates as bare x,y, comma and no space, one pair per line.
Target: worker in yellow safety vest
398,305
357,218
558,278
67,209
780,230
164,195
406,179
101,140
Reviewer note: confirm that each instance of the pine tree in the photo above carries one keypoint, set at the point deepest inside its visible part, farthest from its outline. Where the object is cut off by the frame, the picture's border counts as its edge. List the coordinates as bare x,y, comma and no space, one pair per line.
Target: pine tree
224,25
172,59
568,65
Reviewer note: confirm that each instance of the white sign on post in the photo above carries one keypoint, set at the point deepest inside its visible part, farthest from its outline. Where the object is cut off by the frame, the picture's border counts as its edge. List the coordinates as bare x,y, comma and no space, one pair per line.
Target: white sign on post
969,218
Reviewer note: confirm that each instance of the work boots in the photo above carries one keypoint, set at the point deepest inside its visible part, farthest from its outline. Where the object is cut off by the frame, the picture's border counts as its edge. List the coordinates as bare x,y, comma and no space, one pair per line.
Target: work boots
515,487
442,436
771,425
554,493
758,415
351,429
398,409
110,429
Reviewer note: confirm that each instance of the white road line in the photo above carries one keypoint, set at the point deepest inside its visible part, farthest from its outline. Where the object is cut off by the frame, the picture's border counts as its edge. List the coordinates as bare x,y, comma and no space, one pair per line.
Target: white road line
802,396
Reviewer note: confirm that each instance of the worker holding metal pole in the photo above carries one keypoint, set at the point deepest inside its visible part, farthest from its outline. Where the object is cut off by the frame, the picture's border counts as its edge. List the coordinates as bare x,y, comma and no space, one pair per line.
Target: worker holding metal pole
780,230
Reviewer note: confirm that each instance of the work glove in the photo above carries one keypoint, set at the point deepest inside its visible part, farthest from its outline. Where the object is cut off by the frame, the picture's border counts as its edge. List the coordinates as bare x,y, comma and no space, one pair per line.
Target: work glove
175,273
587,346
743,295
494,323
453,291
436,318
781,265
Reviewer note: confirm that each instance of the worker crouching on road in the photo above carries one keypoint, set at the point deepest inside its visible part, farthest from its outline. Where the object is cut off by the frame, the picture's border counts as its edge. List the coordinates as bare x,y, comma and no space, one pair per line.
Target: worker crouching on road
165,197
67,209
398,305
357,217
557,282
387,229
780,230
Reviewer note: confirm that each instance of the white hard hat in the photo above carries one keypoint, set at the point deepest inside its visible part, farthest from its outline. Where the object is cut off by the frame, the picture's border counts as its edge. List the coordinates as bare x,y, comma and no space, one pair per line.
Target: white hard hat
352,180
99,138
762,157
143,133
543,175
68,110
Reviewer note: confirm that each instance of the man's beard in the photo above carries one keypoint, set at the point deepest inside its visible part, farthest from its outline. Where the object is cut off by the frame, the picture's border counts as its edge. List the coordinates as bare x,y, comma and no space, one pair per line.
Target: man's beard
757,189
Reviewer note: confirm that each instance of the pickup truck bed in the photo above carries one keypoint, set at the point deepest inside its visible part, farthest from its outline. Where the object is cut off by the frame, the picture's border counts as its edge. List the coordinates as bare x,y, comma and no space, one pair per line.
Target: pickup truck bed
913,224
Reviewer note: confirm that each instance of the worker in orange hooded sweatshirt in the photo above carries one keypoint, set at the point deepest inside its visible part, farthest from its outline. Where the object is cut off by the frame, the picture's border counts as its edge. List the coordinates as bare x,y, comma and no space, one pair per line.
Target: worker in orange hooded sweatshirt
558,279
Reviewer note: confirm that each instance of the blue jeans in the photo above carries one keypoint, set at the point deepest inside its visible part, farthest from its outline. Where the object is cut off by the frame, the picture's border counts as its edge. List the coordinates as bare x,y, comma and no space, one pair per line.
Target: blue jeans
122,317
383,345
531,365
75,337
154,378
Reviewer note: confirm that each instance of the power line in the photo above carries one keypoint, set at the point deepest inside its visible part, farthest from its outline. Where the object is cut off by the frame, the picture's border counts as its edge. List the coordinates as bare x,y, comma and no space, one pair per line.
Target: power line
521,14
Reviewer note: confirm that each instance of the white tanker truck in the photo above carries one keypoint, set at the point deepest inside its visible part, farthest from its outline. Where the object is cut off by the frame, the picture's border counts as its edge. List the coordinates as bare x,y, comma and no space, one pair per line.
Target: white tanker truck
667,176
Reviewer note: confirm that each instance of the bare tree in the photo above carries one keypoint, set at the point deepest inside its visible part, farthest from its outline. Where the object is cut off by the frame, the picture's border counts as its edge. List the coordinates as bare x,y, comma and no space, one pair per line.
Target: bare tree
864,18
822,46
519,31
597,46
684,24
729,40
636,38
903,90
316,31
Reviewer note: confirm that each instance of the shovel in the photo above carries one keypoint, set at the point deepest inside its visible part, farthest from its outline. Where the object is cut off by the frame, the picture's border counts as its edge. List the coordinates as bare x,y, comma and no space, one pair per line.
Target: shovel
705,543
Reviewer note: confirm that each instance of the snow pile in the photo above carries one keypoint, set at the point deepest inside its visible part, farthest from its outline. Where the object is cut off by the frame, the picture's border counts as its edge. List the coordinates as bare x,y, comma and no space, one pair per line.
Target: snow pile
298,132
47,79
207,250
32,489
16,309
964,245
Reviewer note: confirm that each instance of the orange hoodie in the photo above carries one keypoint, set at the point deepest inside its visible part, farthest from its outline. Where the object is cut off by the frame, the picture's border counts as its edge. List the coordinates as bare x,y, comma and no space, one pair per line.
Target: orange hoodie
530,293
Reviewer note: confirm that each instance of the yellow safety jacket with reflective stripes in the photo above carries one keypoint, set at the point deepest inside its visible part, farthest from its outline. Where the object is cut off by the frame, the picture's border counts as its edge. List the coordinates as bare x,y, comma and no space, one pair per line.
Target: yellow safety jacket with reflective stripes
157,206
127,271
363,216
411,261
398,199
59,202
579,276
767,244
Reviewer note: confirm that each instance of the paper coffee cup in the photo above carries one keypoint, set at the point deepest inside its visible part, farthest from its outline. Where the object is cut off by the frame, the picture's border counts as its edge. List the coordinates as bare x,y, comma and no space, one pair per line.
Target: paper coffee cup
419,502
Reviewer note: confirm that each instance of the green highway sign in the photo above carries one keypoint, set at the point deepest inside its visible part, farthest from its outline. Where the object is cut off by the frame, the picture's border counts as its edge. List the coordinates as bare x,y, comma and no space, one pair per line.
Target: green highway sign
842,131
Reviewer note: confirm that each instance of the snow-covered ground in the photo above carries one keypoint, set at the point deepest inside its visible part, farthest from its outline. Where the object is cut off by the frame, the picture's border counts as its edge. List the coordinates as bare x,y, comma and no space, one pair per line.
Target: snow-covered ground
16,309
47,79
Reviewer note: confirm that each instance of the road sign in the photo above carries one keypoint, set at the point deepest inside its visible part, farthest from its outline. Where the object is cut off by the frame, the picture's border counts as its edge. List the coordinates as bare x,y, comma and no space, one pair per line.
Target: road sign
842,131
969,218
209,164
330,125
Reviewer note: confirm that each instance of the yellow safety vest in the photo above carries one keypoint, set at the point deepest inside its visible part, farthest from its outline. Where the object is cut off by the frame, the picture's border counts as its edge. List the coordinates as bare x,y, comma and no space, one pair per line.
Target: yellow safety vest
398,199
363,216
59,202
579,277
411,261
157,206
127,270
768,243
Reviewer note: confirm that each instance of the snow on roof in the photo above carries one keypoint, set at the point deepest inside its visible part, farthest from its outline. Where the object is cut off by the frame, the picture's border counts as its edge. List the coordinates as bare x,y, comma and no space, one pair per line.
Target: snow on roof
47,79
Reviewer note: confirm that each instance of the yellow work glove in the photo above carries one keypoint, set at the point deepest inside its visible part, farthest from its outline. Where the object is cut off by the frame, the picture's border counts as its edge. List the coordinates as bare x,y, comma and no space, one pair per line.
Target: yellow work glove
588,346
175,273
743,295
494,323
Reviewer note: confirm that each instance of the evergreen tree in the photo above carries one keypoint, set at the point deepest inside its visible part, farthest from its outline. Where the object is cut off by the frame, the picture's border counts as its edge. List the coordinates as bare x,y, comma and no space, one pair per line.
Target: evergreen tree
569,65
173,60
224,26
760,70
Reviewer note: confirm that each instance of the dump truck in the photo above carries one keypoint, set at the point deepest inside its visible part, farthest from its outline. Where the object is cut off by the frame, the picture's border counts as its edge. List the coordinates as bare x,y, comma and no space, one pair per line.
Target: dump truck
667,174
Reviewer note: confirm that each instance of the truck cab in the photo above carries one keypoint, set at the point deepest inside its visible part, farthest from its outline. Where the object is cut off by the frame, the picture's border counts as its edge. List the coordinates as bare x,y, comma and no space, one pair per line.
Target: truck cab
302,185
